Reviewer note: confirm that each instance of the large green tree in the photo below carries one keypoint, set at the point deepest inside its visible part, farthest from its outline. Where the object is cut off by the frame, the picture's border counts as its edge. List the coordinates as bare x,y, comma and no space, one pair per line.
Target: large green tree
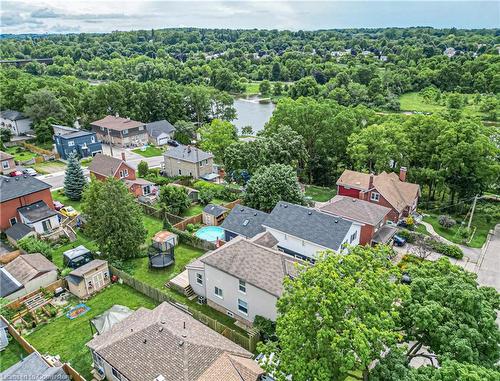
338,316
173,199
277,182
217,136
74,179
113,219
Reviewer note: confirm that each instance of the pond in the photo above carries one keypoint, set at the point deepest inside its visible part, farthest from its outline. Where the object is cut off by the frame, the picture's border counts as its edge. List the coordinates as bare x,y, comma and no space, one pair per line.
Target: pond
249,112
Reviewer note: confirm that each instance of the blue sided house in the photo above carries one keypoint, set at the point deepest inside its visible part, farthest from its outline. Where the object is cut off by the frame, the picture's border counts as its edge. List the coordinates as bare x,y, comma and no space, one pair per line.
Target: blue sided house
84,143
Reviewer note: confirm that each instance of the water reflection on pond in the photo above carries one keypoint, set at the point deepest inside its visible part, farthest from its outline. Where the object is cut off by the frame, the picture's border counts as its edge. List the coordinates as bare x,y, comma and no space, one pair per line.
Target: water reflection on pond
252,113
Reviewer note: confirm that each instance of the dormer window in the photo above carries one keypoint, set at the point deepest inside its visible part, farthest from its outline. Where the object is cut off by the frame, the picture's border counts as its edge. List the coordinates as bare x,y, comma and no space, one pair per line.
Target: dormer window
71,143
375,196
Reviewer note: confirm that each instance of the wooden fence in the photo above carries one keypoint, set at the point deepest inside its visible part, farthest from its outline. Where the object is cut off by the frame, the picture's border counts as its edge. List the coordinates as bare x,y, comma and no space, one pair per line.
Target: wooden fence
74,375
15,304
41,151
247,342
196,219
156,213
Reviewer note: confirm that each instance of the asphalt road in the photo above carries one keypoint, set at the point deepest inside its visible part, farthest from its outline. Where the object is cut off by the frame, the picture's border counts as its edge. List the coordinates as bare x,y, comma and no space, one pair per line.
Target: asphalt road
488,267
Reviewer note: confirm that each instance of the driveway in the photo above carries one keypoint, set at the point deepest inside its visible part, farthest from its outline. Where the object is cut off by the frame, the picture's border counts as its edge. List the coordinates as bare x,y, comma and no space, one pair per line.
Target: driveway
488,266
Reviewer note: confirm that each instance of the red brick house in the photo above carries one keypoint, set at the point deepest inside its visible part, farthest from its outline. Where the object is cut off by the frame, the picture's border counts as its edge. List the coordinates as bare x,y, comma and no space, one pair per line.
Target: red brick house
372,217
8,164
386,189
104,166
18,192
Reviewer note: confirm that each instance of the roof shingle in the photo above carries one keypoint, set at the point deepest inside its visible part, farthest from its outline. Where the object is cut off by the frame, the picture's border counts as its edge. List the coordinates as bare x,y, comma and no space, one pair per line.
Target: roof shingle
245,221
187,153
356,210
20,186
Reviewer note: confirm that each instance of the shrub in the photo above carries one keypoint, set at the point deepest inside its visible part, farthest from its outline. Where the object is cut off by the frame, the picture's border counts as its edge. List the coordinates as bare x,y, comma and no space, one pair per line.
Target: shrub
445,249
190,228
266,328
32,245
205,196
409,236
446,221
142,169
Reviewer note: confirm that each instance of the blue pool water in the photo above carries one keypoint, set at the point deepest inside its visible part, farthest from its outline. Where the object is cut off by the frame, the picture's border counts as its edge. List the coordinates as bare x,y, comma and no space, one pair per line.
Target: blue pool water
210,233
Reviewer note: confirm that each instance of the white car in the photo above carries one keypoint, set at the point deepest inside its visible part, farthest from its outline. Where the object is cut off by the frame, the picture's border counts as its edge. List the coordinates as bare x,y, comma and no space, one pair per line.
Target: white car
30,171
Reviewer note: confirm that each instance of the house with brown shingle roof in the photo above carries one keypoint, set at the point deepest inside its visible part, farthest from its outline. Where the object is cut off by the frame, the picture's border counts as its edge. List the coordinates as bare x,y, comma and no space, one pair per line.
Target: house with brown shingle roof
123,132
386,189
371,216
27,272
167,344
104,166
243,278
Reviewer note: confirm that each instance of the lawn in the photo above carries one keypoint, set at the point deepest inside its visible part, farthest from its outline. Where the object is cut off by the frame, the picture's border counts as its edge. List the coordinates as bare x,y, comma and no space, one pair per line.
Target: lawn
11,355
151,151
152,225
67,338
415,102
157,278
51,166
195,209
20,154
320,194
58,195
251,88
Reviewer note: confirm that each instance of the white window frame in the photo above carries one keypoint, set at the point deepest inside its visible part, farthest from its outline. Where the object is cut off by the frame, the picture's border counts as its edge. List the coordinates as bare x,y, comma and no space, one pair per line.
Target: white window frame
353,236
245,306
216,292
71,143
117,375
242,286
92,139
5,164
199,279
13,219
374,196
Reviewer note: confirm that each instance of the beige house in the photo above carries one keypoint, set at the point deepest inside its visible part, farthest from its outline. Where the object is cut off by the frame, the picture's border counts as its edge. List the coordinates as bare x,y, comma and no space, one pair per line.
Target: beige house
26,273
89,278
122,132
243,278
167,344
188,161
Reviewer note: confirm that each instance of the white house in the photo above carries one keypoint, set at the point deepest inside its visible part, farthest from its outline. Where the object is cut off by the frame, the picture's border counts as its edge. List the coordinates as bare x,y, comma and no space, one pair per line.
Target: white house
39,217
243,278
15,121
26,273
160,132
303,232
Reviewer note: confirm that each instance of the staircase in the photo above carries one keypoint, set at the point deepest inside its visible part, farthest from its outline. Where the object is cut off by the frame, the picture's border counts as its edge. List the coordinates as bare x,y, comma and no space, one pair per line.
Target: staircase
188,291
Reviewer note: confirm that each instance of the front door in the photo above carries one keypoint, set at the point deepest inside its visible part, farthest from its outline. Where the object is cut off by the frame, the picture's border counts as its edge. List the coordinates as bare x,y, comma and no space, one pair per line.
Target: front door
98,280
46,226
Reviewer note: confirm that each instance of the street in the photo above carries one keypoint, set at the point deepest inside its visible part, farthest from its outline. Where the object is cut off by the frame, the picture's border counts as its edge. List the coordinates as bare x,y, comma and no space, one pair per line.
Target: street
488,266
56,180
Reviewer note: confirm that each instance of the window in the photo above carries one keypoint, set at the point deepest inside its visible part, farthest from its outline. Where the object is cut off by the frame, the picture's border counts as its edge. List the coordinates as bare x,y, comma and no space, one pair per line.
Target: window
243,286
92,139
218,292
180,171
353,236
201,163
191,174
71,143
5,164
13,221
123,173
199,278
243,306
141,128
374,196
125,132
102,128
97,360
117,375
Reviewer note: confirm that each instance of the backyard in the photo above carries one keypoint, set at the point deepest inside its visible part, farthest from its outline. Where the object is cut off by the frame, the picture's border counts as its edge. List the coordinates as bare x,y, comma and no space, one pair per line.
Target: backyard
11,355
319,194
67,338
150,151
51,166
195,209
20,153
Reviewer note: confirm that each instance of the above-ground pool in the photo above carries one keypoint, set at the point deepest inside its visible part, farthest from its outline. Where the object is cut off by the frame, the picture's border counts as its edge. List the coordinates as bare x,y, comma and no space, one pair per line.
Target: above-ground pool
210,233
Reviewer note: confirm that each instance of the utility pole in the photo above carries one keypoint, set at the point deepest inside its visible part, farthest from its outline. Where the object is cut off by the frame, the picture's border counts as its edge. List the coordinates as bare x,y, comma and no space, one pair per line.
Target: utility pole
472,212
110,143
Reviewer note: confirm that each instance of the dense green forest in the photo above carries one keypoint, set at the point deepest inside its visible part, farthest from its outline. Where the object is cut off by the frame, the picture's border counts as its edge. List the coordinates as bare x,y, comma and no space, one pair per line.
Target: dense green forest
339,92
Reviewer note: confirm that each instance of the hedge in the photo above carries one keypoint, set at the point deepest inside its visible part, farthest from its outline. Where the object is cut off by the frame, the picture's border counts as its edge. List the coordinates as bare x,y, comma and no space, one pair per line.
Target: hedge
445,249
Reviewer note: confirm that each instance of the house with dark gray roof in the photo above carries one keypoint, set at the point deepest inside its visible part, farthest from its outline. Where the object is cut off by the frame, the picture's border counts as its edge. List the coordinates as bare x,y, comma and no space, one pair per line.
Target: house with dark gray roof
81,143
187,161
167,344
304,232
18,231
39,217
15,121
18,192
34,367
243,278
160,132
244,221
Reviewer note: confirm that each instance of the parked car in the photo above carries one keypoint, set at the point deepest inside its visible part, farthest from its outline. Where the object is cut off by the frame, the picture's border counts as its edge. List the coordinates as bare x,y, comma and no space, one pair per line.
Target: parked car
15,173
398,240
68,211
172,143
30,171
58,205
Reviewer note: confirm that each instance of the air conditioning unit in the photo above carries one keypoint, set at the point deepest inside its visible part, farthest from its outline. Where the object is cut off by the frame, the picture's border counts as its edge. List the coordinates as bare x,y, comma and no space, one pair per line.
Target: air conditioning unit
230,314
202,300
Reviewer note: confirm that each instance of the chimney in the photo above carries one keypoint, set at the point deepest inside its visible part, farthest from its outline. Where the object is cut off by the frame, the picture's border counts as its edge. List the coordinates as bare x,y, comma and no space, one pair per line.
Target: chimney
402,174
189,149
117,115
370,184
123,156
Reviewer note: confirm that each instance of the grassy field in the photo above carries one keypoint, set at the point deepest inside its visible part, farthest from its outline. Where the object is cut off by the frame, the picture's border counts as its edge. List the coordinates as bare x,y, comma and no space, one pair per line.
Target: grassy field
320,194
67,338
415,102
20,154
149,152
251,88
11,355
158,277
195,209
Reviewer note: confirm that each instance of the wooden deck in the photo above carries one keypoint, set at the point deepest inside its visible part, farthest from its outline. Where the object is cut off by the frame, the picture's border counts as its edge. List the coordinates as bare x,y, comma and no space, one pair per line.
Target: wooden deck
181,283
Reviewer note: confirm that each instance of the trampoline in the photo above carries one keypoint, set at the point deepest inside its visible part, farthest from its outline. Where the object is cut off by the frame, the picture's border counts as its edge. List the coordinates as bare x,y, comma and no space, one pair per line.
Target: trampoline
161,255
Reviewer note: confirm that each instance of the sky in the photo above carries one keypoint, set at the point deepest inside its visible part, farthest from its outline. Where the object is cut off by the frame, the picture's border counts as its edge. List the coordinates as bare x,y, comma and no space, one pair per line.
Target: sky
73,16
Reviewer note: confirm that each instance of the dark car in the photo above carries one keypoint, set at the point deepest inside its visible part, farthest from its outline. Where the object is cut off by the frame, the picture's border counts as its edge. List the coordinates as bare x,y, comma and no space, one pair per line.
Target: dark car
398,240
172,143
